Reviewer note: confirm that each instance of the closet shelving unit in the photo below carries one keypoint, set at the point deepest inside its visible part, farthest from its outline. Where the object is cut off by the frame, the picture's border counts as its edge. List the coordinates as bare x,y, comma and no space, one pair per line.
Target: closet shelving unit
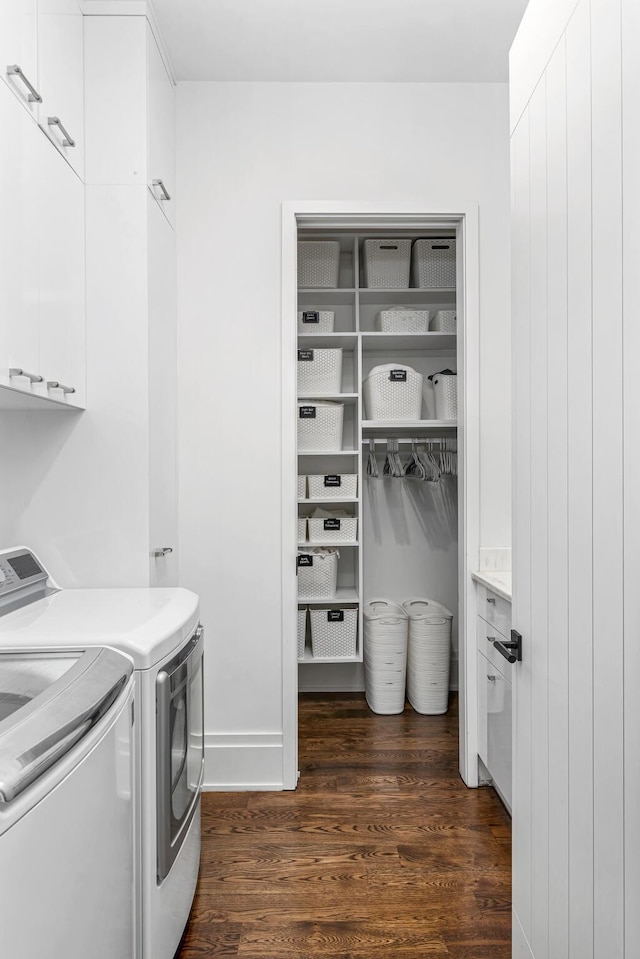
364,347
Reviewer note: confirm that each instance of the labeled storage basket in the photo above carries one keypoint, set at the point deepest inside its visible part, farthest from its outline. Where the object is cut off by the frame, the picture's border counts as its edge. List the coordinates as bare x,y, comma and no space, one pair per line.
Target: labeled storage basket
445,387
302,529
302,487
318,263
433,263
319,371
387,263
334,633
317,573
315,321
320,427
385,656
302,630
402,319
428,656
393,392
333,486
444,321
339,529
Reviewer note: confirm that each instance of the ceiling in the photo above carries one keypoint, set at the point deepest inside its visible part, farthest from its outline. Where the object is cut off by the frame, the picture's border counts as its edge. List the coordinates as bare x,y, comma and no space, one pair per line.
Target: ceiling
340,40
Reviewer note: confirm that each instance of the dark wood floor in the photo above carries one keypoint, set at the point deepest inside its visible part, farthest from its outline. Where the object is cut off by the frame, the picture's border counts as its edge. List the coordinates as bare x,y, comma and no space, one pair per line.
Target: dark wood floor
381,851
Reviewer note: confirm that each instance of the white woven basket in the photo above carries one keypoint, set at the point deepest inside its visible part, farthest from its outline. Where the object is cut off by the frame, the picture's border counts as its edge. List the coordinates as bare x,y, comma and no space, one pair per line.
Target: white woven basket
400,319
318,263
393,392
302,529
319,371
325,531
385,656
387,263
302,629
446,393
333,486
319,580
302,487
315,321
428,657
444,321
332,635
433,263
321,432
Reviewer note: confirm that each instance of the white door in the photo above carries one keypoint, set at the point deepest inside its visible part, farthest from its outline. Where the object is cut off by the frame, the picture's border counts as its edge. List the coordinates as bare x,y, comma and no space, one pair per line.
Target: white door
19,48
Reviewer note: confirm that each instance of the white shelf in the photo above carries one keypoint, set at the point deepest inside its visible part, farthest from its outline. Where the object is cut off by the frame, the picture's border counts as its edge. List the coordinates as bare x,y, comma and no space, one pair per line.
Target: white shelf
343,594
327,452
327,341
408,428
333,544
412,295
319,500
333,397
326,297
384,342
309,658
14,398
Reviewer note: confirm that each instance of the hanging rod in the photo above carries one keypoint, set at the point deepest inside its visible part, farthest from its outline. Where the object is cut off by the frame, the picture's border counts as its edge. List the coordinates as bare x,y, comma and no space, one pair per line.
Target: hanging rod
418,440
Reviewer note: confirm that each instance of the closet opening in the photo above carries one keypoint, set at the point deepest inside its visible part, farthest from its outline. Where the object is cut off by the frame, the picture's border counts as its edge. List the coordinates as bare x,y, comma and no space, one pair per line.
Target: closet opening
379,491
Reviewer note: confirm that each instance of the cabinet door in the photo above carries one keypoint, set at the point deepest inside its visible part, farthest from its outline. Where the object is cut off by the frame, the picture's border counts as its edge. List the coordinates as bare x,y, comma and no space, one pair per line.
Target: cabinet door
18,47
19,146
162,122
498,704
163,525
61,64
61,256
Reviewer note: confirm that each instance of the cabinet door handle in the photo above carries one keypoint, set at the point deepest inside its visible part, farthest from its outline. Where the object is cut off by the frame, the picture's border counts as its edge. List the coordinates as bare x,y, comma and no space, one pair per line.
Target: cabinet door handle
491,600
54,385
34,377
510,649
161,551
491,679
67,141
161,186
16,71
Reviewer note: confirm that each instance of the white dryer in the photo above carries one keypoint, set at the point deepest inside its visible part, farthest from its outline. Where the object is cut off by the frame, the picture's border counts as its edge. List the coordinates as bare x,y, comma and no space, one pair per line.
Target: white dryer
160,631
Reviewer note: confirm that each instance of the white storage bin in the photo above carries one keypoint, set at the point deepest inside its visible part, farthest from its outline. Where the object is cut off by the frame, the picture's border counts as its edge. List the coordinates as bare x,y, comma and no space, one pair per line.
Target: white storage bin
402,319
433,263
385,656
444,321
302,529
333,486
320,427
387,263
393,392
338,529
317,573
445,387
302,630
318,263
302,487
315,321
334,633
429,655
319,371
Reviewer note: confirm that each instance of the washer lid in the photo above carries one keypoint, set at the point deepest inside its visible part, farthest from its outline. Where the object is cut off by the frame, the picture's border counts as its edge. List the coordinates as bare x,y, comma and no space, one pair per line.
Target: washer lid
146,623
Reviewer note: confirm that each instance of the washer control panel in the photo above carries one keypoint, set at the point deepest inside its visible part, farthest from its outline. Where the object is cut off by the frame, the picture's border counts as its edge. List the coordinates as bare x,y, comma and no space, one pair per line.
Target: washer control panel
20,570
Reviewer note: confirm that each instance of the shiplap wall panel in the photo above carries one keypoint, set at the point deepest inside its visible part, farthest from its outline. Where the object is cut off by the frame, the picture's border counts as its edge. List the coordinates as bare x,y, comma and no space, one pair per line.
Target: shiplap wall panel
556,477
630,31
537,649
608,597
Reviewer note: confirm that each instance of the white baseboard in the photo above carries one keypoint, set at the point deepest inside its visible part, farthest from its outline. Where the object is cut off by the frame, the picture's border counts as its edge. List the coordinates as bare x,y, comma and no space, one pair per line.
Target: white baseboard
235,762
520,948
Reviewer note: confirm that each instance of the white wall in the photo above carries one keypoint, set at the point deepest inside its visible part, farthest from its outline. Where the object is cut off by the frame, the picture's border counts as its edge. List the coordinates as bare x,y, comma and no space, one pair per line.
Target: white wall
243,148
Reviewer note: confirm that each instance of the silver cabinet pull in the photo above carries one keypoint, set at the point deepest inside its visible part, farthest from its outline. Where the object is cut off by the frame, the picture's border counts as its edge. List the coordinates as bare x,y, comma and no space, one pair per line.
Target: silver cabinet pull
491,600
67,141
54,385
15,70
34,377
165,192
161,551
491,679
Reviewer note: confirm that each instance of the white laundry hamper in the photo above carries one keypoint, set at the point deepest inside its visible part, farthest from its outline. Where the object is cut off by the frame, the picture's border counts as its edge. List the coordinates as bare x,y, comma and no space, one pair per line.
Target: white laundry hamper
319,371
402,319
320,427
302,630
317,573
433,263
444,321
385,656
318,263
333,486
428,655
334,632
311,322
445,388
393,392
387,263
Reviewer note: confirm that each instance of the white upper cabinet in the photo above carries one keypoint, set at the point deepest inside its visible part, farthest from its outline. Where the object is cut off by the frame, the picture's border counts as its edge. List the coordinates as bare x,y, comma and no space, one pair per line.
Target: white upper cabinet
60,73
19,50
161,126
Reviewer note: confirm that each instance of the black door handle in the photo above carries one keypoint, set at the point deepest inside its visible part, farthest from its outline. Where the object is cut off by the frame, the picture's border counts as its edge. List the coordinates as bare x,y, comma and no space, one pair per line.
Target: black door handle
511,650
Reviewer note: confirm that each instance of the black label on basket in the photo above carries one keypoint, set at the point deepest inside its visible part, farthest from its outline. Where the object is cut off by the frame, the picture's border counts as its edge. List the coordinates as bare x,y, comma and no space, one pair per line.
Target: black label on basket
305,560
333,481
398,376
331,524
335,615
305,355
388,246
307,413
311,316
440,246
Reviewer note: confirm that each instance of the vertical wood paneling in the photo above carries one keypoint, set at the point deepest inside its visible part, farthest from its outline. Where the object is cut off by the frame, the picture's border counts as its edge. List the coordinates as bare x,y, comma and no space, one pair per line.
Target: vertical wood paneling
608,627
538,637
580,485
631,362
558,890
521,347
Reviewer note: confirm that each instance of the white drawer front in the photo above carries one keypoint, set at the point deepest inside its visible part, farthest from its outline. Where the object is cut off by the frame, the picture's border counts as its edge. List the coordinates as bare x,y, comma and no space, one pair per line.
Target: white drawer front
499,731
495,610
486,634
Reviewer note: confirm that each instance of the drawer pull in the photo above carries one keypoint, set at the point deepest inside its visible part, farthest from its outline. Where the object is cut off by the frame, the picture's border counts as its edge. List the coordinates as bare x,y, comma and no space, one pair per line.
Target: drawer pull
67,141
491,600
54,385
491,679
15,70
165,193
34,377
161,551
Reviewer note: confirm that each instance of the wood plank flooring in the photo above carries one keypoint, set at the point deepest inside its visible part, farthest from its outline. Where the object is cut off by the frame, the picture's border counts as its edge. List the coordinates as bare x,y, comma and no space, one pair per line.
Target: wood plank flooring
380,852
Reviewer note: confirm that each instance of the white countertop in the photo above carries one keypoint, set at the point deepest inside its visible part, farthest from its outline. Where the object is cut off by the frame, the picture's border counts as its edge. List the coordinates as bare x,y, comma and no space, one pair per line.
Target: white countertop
497,580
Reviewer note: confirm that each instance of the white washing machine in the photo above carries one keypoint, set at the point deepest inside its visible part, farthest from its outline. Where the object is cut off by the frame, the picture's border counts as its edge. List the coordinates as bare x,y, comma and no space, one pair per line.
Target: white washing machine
160,631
